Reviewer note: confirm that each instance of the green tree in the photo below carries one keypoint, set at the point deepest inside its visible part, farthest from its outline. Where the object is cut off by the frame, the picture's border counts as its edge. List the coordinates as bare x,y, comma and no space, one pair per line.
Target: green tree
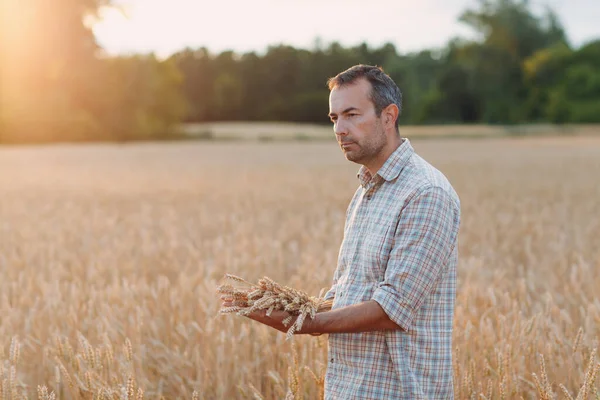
570,83
510,34
199,75
139,97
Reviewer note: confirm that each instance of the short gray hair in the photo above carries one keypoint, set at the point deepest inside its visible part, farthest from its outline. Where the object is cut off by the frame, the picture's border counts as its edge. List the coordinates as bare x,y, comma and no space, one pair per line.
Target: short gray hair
384,90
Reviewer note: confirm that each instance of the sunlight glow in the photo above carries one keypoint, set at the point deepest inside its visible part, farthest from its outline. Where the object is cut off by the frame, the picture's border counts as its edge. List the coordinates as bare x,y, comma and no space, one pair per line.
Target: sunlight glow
166,26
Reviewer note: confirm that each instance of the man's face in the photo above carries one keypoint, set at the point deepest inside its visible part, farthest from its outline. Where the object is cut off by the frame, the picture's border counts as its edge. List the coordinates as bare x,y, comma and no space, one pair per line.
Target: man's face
357,128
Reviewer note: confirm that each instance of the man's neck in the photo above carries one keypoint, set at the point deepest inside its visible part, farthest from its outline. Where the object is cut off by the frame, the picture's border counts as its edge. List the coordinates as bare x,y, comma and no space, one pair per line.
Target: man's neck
374,166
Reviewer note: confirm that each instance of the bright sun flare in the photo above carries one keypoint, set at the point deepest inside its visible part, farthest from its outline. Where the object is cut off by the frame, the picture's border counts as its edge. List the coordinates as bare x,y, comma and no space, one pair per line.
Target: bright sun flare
113,27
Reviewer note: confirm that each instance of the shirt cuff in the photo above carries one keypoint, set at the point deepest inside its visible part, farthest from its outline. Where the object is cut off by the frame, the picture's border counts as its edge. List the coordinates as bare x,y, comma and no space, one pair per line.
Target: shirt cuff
395,306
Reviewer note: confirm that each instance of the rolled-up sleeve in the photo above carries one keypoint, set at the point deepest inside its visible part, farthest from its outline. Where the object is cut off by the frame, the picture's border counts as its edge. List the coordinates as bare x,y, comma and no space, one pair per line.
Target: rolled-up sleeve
424,240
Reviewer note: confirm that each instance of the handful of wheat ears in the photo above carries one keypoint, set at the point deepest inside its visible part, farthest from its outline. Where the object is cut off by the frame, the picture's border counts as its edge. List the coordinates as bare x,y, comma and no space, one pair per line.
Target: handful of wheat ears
268,295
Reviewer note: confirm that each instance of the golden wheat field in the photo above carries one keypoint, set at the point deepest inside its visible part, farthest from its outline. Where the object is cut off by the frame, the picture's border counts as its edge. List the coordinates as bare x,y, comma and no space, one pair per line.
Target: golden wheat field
110,256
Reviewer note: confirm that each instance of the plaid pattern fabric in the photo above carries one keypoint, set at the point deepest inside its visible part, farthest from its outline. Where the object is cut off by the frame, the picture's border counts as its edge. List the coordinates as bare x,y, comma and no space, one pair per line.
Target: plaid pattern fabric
399,249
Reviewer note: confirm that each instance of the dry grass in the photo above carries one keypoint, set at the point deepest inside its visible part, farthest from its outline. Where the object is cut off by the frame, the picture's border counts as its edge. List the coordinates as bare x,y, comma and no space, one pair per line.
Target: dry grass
110,256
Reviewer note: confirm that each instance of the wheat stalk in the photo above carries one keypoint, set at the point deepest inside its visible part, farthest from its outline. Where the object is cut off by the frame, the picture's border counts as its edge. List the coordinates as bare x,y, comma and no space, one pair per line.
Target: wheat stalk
269,295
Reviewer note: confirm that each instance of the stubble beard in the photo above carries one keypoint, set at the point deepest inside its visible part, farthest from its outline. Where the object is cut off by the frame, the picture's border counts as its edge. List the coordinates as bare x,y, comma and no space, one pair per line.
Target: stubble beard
368,149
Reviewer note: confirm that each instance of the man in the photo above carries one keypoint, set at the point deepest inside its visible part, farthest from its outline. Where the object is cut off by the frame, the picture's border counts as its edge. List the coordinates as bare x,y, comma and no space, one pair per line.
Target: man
390,327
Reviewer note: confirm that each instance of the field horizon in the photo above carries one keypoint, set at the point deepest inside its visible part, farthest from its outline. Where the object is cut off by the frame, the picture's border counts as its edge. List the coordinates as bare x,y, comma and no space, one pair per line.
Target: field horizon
269,131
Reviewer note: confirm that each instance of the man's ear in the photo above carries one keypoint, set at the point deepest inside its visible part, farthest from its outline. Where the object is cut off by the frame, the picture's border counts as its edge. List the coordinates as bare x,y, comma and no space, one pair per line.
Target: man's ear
390,116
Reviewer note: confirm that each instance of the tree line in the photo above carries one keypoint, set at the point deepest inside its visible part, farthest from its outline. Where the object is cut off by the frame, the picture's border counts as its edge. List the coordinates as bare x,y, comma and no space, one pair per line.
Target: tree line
56,83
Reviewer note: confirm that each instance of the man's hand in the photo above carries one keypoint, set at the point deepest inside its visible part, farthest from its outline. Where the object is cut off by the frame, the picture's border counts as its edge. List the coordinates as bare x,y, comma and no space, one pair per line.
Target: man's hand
275,320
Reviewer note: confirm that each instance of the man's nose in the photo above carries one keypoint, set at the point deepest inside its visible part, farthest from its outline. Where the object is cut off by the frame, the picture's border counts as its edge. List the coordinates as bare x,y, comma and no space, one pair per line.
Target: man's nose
340,128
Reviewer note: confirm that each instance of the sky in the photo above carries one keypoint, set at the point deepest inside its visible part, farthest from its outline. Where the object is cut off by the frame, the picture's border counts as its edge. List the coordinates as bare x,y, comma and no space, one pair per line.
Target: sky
166,26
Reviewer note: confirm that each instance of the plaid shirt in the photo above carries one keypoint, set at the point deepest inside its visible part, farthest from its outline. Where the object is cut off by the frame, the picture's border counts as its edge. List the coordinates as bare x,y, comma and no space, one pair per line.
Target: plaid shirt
399,249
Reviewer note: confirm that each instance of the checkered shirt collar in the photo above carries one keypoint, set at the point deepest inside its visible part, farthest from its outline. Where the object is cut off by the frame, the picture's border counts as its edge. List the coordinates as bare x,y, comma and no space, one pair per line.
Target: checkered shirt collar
392,166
